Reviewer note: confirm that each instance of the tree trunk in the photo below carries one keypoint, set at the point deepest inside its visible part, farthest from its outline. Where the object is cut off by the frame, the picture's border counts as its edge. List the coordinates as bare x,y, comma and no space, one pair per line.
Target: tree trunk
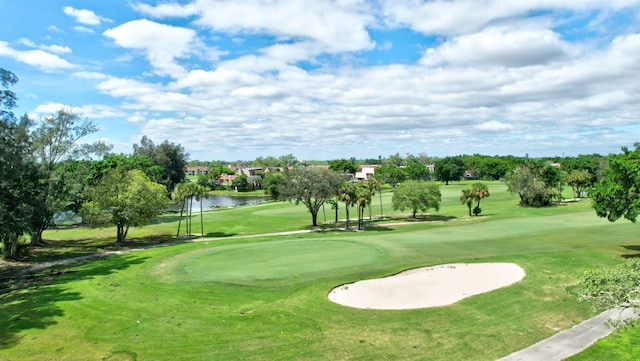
314,218
184,201
190,227
201,221
36,239
122,233
347,208
381,214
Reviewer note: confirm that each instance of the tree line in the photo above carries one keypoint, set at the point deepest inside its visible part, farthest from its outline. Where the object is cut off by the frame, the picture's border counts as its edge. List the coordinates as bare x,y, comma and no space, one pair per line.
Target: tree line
46,171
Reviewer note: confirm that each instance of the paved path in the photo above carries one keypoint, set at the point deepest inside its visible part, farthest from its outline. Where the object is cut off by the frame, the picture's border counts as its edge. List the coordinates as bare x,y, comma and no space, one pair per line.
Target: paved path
570,342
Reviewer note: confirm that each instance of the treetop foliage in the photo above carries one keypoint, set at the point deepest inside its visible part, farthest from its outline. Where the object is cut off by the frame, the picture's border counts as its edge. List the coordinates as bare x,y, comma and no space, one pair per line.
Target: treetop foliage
617,194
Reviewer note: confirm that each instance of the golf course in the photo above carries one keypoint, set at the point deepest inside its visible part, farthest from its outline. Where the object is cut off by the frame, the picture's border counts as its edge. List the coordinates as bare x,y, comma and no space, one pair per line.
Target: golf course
255,285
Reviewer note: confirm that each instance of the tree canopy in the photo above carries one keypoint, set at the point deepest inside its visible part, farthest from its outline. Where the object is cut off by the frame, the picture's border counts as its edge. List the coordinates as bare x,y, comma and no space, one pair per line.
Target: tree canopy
171,157
311,187
124,199
617,194
449,169
535,182
416,196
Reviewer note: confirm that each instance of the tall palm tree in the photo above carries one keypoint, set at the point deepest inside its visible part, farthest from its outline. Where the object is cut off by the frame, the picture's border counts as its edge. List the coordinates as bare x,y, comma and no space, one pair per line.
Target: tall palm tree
467,198
363,199
480,191
347,195
179,194
200,192
375,185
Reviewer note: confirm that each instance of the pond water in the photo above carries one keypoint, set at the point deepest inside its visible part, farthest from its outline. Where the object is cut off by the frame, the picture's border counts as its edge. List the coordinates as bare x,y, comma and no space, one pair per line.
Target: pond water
226,202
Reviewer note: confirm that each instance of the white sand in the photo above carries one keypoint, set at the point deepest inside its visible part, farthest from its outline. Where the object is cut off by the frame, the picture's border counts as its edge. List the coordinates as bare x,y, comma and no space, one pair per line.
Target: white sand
428,286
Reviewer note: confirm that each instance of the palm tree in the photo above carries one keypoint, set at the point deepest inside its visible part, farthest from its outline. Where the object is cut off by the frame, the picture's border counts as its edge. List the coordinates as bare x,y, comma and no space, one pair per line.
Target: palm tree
375,185
467,198
200,192
346,194
363,199
479,191
179,194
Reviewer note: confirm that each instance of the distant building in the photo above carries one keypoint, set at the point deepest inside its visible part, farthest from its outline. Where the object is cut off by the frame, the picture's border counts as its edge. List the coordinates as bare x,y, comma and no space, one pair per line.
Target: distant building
197,170
365,172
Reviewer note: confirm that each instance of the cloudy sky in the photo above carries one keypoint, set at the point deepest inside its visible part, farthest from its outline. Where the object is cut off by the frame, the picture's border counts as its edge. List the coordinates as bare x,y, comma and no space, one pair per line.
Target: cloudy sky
327,79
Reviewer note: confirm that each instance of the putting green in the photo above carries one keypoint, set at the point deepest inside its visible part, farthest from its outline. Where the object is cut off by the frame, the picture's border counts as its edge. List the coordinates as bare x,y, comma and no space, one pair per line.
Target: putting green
263,262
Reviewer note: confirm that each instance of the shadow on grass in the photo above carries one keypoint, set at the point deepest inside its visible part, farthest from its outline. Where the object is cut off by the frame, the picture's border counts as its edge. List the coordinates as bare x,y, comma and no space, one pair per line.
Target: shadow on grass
29,300
632,255
59,249
425,218
220,234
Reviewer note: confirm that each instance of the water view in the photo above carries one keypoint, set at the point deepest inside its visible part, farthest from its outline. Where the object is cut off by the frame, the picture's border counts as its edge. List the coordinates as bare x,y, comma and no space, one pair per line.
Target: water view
226,202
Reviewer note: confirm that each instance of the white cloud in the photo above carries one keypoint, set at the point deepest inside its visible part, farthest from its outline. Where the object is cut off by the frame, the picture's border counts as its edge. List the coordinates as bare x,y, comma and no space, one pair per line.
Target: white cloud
58,49
83,29
494,126
88,111
335,25
37,58
499,46
161,43
83,16
453,17
166,10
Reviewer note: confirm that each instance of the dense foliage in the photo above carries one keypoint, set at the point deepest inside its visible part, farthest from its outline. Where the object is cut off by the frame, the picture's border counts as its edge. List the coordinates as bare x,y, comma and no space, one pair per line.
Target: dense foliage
449,169
311,187
416,196
618,193
612,287
171,157
535,182
124,199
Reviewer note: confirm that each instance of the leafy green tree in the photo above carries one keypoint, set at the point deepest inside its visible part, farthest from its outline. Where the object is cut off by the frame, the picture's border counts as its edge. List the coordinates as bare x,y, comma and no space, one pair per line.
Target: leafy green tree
449,169
617,194
19,177
171,157
240,183
271,183
536,183
579,180
394,160
124,199
391,175
311,187
479,191
54,139
416,196
417,171
343,166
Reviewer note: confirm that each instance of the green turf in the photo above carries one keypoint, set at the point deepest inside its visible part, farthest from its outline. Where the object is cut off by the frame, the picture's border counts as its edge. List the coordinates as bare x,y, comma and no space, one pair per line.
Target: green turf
265,298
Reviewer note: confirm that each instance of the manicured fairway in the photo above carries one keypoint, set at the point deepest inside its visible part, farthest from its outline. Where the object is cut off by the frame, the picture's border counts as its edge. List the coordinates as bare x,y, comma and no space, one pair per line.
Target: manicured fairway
266,298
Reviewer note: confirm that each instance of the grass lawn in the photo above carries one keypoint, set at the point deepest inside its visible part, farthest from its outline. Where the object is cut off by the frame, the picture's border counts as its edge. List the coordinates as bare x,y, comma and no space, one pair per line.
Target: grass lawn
265,298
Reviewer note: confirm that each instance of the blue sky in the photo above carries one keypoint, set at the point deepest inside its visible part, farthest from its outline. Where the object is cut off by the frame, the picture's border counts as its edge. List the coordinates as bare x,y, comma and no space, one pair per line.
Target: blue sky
334,79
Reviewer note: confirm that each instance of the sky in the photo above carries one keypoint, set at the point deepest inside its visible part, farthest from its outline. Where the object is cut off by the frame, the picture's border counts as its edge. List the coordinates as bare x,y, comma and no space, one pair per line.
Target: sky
330,79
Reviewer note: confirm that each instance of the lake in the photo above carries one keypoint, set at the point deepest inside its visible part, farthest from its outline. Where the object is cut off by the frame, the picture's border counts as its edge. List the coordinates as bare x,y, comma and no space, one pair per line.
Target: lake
226,202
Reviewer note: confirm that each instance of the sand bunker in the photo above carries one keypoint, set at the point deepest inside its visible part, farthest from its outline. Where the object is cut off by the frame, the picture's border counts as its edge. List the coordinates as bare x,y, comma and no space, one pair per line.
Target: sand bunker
428,286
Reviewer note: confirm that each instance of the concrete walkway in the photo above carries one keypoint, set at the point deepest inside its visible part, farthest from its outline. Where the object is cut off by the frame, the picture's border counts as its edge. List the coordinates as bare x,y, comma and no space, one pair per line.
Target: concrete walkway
572,341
